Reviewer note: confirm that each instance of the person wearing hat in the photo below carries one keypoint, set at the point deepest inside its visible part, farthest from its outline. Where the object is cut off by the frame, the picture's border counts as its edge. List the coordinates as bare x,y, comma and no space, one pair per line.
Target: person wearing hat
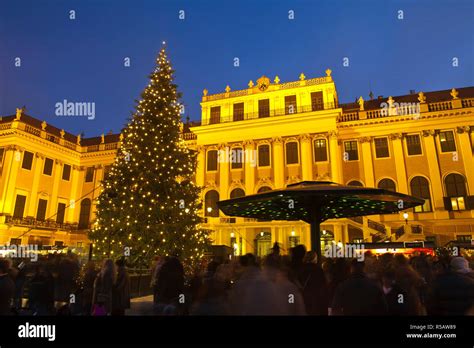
460,265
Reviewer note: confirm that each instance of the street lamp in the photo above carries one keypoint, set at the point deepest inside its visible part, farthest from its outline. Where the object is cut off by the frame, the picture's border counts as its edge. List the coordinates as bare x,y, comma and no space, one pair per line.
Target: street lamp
405,216
209,209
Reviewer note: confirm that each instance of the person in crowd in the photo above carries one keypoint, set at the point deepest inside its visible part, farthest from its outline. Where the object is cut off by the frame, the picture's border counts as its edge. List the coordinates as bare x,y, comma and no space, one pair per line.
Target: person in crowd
211,298
121,290
460,265
265,292
67,272
159,262
103,289
7,288
308,275
410,281
452,292
41,291
358,295
336,272
169,286
395,296
90,274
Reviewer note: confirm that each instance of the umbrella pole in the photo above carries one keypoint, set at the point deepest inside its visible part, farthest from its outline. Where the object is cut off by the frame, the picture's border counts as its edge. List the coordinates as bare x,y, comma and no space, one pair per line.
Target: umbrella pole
316,236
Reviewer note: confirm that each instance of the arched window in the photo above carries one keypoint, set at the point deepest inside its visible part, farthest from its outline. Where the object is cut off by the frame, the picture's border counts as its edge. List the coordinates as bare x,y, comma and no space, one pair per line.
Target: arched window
85,214
455,192
236,193
264,189
210,203
387,184
420,187
355,183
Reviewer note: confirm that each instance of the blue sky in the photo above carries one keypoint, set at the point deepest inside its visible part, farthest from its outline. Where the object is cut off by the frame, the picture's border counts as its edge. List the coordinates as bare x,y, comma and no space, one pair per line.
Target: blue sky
82,59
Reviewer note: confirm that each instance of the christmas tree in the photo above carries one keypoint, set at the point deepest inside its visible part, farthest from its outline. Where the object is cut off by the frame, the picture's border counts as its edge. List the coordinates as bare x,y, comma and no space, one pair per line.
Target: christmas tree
149,204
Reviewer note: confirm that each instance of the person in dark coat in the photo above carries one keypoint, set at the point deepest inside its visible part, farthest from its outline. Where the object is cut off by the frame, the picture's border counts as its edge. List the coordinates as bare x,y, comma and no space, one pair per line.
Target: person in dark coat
169,286
451,293
7,288
103,286
41,292
397,299
358,295
88,287
121,290
310,279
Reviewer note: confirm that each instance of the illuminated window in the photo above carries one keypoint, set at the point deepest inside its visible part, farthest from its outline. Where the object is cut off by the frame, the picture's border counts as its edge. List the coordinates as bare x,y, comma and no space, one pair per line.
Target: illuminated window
215,115
291,152
27,160
264,155
351,152
420,188
387,184
447,142
317,101
264,108
48,166
211,160
210,203
237,158
381,147
238,111
290,104
413,144
456,191
320,150
66,172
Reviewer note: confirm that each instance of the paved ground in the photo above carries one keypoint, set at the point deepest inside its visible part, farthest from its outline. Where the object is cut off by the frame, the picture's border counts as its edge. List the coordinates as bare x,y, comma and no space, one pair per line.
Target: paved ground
141,306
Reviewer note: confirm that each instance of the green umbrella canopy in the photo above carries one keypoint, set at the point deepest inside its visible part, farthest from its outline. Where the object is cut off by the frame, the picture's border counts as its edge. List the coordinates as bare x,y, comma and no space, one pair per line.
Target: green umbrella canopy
320,200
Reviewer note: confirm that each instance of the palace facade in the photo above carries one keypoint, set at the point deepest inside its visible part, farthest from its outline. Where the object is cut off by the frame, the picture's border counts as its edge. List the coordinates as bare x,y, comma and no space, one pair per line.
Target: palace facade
260,138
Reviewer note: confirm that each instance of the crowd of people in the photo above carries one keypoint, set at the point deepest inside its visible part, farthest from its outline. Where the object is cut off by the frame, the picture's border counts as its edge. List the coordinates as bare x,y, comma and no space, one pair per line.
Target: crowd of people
294,284
297,284
56,285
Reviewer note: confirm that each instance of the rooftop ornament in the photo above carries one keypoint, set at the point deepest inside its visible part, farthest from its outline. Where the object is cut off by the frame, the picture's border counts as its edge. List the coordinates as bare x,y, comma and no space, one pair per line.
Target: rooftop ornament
302,77
204,92
18,113
250,84
421,97
43,125
227,89
454,93
361,103
276,80
317,201
328,72
62,133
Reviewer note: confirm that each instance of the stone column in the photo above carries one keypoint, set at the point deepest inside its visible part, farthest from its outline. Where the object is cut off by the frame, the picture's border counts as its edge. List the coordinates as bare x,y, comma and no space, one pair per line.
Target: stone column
400,168
11,166
335,158
223,171
306,157
278,163
367,161
201,164
37,168
433,166
250,157
57,176
467,157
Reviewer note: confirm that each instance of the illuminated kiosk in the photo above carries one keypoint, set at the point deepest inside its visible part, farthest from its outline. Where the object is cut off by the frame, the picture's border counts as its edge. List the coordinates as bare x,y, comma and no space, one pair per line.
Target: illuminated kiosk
316,201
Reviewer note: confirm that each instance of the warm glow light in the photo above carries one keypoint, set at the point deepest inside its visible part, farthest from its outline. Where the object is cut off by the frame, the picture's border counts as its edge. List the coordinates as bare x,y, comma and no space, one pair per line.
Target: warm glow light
293,233
405,216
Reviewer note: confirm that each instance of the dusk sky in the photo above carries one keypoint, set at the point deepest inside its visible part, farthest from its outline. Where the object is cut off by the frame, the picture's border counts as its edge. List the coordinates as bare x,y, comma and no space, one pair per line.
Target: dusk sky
82,60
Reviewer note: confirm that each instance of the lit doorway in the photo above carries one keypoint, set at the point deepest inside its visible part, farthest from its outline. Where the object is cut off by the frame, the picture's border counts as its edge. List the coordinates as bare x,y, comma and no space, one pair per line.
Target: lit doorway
263,243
